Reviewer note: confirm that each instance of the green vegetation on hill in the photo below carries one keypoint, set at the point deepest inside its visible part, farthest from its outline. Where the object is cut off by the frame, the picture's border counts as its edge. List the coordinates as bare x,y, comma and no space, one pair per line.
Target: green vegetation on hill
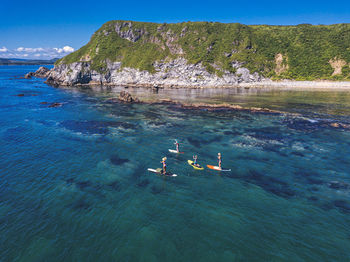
305,51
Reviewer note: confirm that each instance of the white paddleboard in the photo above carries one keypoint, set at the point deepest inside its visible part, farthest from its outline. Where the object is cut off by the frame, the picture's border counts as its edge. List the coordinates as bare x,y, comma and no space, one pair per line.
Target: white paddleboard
159,171
174,151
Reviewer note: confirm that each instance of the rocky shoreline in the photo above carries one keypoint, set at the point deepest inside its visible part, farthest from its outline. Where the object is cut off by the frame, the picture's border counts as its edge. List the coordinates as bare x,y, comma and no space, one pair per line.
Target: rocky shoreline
79,74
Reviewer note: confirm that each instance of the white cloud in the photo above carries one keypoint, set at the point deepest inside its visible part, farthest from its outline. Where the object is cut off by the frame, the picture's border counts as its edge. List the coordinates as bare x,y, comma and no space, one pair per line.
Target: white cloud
65,49
30,52
68,49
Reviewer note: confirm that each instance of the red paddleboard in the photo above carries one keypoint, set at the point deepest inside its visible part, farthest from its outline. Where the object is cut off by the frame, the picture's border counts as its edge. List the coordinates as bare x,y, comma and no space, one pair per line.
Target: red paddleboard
217,168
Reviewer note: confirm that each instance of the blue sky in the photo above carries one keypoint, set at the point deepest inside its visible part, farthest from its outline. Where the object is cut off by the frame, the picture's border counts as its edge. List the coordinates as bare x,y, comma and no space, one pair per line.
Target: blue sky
46,29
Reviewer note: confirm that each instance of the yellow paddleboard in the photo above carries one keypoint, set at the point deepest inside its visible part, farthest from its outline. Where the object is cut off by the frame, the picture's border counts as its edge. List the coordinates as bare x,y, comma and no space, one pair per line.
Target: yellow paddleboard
198,167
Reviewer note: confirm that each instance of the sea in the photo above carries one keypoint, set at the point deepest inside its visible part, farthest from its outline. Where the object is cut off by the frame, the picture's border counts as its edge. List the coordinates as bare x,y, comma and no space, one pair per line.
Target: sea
74,184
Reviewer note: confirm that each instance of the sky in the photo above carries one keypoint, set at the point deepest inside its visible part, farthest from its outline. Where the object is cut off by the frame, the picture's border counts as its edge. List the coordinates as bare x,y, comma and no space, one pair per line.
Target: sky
48,29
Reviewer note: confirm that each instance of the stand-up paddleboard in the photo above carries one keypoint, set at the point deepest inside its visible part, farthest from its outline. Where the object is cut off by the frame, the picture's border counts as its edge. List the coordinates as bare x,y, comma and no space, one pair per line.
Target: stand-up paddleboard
218,168
159,171
174,151
198,167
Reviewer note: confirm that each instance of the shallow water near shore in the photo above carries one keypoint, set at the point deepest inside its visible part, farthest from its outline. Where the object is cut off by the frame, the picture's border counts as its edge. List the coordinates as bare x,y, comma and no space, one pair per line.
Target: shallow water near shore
74,185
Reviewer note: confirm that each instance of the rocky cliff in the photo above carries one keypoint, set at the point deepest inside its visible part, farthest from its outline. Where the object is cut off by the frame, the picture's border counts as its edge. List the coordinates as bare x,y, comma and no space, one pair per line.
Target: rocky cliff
176,73
202,54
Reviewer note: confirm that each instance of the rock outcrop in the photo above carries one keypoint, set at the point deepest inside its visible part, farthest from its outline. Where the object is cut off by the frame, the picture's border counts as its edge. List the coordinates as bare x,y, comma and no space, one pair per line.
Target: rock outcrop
42,72
127,97
176,73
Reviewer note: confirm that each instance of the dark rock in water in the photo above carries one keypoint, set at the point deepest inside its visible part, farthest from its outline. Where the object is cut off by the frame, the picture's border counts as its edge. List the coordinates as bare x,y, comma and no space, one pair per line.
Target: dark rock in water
55,105
339,185
29,75
342,205
21,95
194,142
127,97
41,72
116,160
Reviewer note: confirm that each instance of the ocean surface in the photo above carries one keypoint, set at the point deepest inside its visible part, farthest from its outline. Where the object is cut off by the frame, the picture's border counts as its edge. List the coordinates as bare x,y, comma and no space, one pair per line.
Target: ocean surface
74,184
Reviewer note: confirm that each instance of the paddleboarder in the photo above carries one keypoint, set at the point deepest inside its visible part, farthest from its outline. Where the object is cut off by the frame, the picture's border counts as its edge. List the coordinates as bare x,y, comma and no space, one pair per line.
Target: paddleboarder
177,145
164,165
195,160
219,159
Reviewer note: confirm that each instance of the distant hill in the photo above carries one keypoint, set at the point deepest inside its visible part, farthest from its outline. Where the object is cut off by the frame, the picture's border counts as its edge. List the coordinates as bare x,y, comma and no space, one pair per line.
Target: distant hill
17,61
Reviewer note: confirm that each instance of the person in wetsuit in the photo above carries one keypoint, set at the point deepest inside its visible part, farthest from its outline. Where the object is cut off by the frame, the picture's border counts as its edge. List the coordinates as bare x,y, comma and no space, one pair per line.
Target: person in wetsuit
219,159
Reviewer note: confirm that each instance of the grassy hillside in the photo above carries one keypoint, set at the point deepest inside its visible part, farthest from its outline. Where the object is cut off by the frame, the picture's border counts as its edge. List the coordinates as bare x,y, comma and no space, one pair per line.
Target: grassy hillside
301,52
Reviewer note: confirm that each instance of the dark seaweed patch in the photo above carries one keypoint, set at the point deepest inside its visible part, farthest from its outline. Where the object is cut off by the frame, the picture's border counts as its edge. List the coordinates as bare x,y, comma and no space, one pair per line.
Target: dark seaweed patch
151,115
198,143
342,205
194,142
81,204
157,123
339,185
314,181
15,134
266,133
314,189
83,184
143,183
156,189
298,154
94,127
70,181
313,199
115,185
116,160
305,125
270,184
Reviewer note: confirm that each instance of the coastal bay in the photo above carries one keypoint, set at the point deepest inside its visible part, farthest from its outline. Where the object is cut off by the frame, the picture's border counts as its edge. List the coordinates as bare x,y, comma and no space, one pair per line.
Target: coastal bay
74,180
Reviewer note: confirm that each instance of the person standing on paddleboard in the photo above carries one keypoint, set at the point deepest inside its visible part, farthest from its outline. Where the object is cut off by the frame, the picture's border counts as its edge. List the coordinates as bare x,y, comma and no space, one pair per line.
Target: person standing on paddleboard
164,165
177,146
219,159
195,160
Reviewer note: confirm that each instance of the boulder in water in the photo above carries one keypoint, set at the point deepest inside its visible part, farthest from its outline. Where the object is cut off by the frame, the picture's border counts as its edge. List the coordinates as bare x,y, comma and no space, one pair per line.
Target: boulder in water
127,97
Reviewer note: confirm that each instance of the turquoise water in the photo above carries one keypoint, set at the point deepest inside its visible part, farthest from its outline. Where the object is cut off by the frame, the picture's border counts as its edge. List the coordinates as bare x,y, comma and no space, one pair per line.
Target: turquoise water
74,185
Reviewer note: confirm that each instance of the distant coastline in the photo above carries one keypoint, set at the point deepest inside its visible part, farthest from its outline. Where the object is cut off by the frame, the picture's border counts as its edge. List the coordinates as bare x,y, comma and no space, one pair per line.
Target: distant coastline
13,61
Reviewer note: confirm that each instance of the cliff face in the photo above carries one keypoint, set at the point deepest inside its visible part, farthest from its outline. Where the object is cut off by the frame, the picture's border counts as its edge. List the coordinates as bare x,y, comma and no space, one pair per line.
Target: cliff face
177,73
205,54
